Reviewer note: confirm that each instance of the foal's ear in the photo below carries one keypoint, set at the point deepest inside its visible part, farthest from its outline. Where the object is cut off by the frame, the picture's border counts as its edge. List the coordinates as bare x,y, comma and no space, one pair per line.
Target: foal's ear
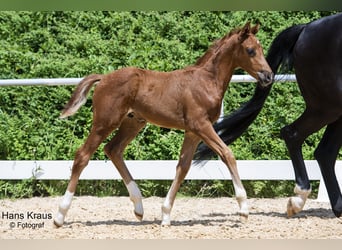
245,31
255,29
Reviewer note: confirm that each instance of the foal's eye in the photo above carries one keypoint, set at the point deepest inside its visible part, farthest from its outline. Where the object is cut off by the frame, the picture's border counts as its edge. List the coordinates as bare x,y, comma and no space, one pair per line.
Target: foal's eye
251,52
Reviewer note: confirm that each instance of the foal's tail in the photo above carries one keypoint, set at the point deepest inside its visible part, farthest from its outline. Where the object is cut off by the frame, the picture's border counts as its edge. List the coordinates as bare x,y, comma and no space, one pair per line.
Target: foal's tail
233,125
79,96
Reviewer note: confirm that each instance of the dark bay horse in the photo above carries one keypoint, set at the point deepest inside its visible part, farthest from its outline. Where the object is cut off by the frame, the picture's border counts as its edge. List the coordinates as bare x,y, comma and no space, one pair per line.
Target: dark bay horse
314,50
187,99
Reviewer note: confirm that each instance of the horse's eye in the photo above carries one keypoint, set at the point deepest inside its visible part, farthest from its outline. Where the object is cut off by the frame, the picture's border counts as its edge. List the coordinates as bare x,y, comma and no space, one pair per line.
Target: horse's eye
251,52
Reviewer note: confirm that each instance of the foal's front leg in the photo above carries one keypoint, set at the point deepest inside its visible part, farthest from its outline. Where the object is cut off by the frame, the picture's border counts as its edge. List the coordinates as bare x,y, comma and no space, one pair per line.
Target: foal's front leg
209,136
188,149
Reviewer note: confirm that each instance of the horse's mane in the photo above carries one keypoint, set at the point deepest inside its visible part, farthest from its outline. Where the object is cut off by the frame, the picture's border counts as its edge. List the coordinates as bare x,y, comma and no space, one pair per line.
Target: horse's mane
215,46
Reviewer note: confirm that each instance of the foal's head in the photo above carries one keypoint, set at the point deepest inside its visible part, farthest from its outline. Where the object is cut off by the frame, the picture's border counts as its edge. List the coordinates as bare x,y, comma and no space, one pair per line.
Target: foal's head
249,54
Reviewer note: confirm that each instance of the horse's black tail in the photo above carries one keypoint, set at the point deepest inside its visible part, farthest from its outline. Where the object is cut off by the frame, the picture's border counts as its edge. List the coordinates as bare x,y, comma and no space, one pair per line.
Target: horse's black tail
233,125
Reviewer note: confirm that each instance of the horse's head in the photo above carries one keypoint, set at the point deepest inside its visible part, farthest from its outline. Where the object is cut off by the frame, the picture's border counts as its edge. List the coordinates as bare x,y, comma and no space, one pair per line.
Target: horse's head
250,56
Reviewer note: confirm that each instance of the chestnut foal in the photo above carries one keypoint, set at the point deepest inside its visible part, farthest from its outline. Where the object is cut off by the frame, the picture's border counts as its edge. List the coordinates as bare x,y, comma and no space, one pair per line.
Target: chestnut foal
188,99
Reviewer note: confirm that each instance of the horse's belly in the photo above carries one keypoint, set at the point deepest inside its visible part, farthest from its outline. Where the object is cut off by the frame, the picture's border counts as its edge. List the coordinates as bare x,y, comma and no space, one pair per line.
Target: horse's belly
164,119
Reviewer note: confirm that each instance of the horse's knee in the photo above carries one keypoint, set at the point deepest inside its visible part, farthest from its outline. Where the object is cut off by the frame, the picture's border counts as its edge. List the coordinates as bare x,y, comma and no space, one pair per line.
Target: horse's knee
112,151
228,157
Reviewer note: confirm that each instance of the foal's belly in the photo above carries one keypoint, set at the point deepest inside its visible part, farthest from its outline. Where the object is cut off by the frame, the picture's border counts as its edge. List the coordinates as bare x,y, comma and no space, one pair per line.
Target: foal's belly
161,118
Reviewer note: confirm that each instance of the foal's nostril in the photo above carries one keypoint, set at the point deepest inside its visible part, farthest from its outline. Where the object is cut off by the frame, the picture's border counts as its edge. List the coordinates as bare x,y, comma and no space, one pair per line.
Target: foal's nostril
269,77
265,76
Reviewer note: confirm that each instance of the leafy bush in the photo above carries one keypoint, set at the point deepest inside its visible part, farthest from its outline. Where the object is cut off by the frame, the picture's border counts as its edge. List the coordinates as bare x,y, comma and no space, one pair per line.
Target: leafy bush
75,44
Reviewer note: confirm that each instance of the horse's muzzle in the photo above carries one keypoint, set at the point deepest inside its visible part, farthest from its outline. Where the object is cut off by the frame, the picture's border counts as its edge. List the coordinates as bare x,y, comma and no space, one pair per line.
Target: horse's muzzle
265,78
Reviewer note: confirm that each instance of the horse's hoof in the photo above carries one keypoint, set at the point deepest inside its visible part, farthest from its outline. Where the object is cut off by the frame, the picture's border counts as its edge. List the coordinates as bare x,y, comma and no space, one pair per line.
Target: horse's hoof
289,209
166,219
292,207
138,216
56,224
166,223
337,214
289,212
243,217
58,220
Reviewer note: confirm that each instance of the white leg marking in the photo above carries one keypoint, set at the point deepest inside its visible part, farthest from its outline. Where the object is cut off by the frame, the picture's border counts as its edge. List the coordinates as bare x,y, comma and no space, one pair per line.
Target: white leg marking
166,210
63,208
136,198
241,198
296,203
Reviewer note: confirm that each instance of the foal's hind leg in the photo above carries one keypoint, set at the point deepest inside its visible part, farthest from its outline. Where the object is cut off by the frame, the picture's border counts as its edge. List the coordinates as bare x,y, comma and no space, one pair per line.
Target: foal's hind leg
82,156
188,149
128,130
104,122
326,154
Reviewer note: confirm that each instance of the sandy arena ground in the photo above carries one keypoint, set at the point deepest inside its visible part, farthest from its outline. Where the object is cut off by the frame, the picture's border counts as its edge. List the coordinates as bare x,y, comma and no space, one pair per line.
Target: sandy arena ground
192,218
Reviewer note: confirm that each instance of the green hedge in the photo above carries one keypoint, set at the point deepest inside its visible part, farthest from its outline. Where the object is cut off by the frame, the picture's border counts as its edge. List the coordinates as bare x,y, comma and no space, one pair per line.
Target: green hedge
75,44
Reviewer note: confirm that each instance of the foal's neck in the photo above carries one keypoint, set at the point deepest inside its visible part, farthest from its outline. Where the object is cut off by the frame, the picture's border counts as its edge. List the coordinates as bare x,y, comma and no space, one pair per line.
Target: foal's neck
221,63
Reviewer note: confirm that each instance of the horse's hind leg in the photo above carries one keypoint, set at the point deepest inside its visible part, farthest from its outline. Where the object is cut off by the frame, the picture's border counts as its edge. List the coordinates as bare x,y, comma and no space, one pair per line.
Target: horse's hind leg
82,156
104,122
326,154
128,130
294,136
188,149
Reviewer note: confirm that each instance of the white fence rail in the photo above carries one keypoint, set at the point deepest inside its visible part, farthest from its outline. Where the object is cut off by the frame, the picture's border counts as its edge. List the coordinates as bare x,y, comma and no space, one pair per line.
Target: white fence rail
165,170
155,170
74,81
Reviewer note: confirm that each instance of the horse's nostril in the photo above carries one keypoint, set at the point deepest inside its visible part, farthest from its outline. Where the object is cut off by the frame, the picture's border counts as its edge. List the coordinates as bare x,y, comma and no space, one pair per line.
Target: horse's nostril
265,76
269,76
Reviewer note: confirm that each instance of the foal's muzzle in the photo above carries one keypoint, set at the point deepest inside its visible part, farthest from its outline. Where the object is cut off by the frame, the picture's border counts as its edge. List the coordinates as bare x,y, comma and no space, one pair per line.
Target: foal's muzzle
265,78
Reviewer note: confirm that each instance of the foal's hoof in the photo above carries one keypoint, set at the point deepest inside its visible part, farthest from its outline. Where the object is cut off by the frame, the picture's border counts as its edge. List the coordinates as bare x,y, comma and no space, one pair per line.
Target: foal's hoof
56,224
138,215
243,217
139,210
58,221
165,224
166,221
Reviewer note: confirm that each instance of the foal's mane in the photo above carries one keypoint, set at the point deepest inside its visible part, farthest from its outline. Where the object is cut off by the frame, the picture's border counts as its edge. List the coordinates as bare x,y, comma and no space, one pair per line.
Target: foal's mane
215,46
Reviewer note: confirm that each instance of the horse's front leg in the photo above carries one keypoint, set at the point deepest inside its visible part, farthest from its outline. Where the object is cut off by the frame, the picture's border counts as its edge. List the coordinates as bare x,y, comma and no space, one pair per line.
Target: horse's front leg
326,154
209,136
188,149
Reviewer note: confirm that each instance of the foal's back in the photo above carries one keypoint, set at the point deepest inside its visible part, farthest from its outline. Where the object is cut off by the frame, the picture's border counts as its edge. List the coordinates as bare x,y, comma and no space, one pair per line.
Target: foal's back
168,99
